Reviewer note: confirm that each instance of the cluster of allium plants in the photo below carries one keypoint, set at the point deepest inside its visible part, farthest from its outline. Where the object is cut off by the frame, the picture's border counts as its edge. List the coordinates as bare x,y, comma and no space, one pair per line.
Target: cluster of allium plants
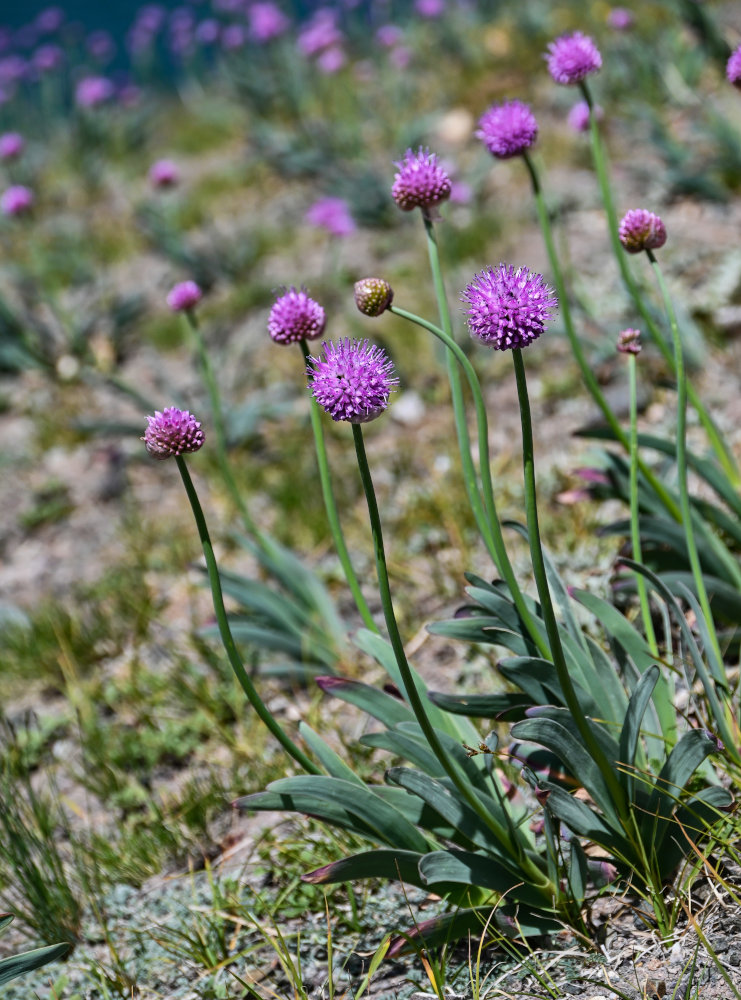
480,824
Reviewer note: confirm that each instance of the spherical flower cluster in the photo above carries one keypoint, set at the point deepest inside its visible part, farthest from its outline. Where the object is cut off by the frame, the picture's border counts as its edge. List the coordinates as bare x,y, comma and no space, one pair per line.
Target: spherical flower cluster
164,174
373,296
508,307
16,200
332,214
430,8
620,18
507,129
352,381
579,116
92,91
183,296
733,68
172,432
294,317
629,341
12,145
641,230
267,21
420,181
571,58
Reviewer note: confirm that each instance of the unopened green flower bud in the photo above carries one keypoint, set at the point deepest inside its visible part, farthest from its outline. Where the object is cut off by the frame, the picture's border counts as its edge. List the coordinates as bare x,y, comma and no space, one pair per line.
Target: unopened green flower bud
373,296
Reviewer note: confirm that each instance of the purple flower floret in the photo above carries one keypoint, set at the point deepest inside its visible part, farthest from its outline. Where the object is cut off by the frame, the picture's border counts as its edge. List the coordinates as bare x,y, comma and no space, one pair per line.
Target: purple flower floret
186,295
420,181
508,307
579,116
164,174
629,341
641,230
352,381
507,129
16,200
172,432
12,145
92,91
294,317
571,58
733,68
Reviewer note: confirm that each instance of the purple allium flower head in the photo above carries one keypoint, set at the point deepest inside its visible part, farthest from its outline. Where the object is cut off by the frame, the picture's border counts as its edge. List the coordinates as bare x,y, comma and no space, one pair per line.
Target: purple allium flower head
267,21
49,20
430,8
207,31
571,58
373,296
13,68
352,381
47,58
508,307
507,129
233,37
420,181
629,341
295,316
620,18
331,60
164,174
184,296
641,230
579,116
172,432
460,192
12,145
92,91
733,68
332,214
389,35
16,200
320,33
100,45
26,36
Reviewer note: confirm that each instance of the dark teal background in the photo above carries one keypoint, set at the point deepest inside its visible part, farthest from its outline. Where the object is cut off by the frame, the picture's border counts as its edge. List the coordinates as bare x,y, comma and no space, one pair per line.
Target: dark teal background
114,15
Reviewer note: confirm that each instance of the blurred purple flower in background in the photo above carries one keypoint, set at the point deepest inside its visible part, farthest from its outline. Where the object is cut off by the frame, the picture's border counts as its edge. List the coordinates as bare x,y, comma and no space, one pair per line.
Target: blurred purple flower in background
16,200
164,174
12,69
184,296
267,21
207,32
620,18
320,33
429,8
49,20
507,129
400,56
47,58
331,60
26,37
332,214
578,118
389,35
12,145
101,46
571,58
733,68
508,307
92,91
233,37
352,381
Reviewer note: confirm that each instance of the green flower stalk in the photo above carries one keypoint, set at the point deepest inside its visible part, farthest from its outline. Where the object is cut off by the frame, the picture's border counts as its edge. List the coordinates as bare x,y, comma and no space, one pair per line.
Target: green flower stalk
184,298
718,444
629,343
509,308
352,382
173,433
642,230
296,318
